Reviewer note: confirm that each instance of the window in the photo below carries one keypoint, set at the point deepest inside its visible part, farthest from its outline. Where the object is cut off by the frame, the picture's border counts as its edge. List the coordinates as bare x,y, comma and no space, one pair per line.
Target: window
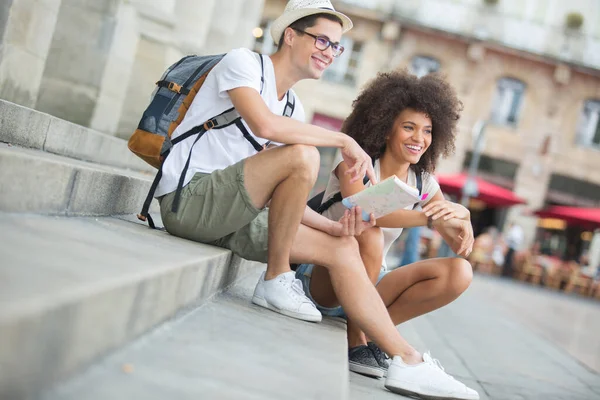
264,43
588,134
344,69
422,65
508,101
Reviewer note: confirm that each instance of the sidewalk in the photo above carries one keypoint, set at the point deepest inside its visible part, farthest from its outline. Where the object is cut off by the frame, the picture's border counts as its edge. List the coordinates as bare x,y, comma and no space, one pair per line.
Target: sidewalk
508,341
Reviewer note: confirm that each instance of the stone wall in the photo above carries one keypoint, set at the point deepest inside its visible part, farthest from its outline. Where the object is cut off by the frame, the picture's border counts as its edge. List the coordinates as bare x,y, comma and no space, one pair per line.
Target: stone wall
94,62
78,56
26,29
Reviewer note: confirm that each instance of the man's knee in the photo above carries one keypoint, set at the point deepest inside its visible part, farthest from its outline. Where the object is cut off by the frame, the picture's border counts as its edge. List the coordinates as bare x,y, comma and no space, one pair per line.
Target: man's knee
371,240
348,249
305,160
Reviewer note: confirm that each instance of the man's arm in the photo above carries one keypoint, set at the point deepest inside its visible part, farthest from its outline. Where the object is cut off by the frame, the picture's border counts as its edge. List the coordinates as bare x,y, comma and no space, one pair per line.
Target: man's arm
267,125
315,220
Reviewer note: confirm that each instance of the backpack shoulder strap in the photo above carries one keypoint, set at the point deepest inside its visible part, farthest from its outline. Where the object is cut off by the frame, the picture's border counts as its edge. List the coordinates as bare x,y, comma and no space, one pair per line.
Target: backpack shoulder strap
336,198
262,71
419,177
289,105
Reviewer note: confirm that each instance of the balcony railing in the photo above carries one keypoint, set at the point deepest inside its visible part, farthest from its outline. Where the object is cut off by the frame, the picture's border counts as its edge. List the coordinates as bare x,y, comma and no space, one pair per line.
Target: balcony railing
493,24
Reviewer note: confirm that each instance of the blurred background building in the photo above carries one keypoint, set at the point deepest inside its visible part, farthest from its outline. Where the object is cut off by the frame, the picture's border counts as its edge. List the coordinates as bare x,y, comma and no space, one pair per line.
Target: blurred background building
529,68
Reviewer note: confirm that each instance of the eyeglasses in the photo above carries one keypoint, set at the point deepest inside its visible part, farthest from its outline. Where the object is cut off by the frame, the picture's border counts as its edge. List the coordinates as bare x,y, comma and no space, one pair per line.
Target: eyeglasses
322,43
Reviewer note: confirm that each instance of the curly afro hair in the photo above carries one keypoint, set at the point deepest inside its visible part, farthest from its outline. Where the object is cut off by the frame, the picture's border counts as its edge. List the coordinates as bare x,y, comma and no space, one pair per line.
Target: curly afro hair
383,99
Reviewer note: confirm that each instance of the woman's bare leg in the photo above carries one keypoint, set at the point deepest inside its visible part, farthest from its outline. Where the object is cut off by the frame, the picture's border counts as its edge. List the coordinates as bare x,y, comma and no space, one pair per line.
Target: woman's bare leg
424,286
371,252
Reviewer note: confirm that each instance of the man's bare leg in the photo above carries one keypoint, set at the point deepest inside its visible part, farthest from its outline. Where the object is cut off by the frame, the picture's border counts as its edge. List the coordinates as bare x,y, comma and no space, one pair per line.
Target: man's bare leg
356,293
284,176
371,252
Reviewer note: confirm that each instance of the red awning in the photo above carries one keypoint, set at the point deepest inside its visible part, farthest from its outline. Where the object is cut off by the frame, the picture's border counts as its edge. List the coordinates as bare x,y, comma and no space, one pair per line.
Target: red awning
492,195
585,217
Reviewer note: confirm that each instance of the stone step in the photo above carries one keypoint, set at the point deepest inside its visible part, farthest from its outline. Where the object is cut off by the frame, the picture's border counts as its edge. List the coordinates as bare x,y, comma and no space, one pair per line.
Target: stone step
25,127
74,289
227,349
34,181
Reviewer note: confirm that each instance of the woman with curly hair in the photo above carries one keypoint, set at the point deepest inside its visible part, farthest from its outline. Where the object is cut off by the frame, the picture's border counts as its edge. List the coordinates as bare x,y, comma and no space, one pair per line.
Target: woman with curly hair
405,124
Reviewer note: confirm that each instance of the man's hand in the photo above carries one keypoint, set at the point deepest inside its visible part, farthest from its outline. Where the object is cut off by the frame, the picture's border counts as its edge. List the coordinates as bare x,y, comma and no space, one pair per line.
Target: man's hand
358,161
351,223
446,209
458,233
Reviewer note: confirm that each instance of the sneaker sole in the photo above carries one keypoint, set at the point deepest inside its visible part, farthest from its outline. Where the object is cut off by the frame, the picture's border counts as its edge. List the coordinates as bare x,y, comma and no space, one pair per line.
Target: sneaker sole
410,393
373,372
304,317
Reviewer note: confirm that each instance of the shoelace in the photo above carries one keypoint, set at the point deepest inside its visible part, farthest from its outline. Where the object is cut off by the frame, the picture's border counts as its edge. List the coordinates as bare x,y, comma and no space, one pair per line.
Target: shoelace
379,354
438,364
299,289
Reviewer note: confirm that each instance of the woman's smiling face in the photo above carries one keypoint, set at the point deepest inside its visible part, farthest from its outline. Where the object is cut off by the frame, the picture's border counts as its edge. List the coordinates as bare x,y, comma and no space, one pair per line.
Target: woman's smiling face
411,136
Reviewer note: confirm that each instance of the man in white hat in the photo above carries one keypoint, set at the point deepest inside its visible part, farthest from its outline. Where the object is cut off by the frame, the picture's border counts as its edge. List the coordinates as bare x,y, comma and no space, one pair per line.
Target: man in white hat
229,185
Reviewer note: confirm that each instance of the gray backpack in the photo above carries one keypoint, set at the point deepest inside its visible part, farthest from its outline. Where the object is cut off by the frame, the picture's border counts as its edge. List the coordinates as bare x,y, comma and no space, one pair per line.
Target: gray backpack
173,96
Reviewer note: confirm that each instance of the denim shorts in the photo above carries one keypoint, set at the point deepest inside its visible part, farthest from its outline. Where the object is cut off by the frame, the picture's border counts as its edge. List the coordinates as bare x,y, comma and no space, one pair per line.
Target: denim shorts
304,273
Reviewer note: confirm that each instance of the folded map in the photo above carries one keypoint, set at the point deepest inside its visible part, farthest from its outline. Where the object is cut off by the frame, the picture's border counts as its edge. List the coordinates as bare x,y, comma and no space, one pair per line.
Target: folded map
383,198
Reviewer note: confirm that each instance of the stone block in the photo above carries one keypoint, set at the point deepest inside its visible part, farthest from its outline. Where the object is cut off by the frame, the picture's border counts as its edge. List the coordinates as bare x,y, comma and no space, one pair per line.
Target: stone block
108,7
79,46
19,22
51,5
103,193
41,29
30,184
85,286
5,7
33,181
66,100
179,363
107,114
75,141
20,75
22,126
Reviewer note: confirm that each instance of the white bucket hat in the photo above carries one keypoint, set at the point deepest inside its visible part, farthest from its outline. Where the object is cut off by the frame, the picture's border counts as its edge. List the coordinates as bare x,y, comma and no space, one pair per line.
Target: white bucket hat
297,9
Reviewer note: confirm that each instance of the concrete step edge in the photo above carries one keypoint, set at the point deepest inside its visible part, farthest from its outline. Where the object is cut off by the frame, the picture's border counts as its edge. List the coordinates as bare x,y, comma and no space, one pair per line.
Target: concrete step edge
26,127
48,341
39,182
227,349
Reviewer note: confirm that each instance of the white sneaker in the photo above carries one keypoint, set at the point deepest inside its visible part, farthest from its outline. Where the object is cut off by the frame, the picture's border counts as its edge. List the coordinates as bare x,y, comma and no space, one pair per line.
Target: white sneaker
285,295
426,380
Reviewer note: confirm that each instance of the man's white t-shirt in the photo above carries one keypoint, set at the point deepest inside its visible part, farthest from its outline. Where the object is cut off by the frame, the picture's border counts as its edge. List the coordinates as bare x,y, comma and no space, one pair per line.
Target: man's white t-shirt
336,211
220,148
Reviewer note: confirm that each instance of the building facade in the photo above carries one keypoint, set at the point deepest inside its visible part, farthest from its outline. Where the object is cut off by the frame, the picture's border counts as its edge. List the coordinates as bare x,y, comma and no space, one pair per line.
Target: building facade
517,65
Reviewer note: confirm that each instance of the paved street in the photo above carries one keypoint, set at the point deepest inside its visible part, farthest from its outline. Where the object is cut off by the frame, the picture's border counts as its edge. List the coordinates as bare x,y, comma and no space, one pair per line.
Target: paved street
509,341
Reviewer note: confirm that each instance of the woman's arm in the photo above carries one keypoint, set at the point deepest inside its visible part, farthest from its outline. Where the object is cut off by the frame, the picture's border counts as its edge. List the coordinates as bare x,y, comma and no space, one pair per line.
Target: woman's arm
317,221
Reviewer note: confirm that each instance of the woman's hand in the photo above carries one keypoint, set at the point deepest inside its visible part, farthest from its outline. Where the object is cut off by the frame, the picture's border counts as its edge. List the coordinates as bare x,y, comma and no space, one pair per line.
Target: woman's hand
458,233
352,224
446,209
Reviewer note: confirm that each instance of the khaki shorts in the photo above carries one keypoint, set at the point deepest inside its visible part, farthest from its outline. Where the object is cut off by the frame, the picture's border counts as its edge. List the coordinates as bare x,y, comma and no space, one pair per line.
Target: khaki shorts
216,209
